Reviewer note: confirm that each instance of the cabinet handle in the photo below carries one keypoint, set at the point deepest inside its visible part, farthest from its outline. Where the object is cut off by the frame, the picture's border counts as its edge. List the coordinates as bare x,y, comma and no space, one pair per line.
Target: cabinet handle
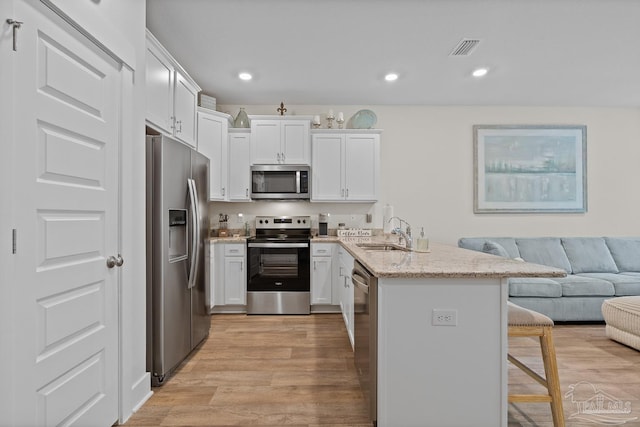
223,191
180,123
172,119
314,265
283,158
246,192
347,194
278,156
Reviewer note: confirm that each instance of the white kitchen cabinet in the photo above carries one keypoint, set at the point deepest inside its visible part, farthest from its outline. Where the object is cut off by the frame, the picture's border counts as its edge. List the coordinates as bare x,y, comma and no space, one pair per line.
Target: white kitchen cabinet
345,261
345,166
212,142
321,273
278,140
159,86
239,165
185,101
235,275
209,274
171,94
230,278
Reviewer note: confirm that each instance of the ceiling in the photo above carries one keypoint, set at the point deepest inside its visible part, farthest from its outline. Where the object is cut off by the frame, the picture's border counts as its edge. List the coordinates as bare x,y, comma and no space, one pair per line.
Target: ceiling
336,52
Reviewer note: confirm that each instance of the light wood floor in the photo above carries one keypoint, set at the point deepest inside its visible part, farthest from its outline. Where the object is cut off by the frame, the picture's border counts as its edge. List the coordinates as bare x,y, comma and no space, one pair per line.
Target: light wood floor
298,371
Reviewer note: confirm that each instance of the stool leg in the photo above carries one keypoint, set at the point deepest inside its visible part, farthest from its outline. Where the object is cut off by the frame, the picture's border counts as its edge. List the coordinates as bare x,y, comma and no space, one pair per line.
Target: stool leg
551,374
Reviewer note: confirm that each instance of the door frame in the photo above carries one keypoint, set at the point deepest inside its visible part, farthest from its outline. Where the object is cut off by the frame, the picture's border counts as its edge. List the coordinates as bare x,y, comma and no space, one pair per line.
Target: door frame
133,380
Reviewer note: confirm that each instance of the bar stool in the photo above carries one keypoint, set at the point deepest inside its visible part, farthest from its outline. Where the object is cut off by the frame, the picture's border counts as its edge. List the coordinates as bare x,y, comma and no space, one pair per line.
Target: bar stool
528,323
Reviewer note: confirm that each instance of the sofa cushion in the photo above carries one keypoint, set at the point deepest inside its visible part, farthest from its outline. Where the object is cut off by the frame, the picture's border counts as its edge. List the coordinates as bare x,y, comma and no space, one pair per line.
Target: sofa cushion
578,285
589,255
494,248
534,287
544,250
623,284
477,244
625,252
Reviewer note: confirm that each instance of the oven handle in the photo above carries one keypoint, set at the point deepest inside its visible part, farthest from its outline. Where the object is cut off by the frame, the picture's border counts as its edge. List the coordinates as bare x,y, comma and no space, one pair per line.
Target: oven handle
278,245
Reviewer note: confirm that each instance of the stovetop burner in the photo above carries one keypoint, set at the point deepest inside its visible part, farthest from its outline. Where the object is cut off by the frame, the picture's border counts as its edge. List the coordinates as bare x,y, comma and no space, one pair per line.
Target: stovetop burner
282,228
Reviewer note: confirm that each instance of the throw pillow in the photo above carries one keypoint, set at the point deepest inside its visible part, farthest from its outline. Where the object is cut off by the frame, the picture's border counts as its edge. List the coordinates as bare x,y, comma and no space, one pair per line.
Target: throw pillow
589,255
494,248
625,252
544,250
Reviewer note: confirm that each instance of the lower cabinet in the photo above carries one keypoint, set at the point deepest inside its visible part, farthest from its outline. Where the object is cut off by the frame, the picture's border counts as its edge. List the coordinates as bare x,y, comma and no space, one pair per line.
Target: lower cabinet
228,275
321,273
345,266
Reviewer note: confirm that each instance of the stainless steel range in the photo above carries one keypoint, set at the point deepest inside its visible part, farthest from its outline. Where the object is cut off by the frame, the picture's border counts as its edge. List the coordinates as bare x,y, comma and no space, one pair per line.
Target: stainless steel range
278,273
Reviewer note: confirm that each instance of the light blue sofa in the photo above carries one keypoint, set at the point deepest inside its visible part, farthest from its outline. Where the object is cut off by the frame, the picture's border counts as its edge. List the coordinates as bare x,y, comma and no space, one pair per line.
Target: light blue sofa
598,268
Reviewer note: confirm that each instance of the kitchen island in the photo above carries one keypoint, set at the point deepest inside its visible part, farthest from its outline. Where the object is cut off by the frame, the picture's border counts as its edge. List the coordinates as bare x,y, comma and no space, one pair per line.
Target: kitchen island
441,334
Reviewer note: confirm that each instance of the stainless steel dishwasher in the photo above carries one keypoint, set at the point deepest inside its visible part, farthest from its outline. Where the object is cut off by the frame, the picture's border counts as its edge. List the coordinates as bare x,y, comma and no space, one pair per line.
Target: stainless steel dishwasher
365,302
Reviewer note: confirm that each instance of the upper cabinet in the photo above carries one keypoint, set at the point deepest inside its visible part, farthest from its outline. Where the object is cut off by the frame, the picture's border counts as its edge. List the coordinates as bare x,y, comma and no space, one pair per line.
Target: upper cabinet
280,140
172,95
212,142
239,165
346,165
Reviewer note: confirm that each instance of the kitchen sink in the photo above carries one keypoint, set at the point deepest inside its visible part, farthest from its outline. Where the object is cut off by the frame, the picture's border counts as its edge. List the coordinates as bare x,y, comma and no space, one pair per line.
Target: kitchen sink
380,247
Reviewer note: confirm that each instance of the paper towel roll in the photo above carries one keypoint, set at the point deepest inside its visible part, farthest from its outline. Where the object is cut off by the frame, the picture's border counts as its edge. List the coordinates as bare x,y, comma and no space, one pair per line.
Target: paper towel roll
387,213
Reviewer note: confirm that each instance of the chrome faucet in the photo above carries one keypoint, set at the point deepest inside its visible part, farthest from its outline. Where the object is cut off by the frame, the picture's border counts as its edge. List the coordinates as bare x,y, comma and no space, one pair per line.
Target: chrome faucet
406,235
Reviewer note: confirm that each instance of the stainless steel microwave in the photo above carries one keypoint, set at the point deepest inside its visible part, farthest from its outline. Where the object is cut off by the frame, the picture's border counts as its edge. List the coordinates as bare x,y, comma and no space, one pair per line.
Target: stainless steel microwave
280,182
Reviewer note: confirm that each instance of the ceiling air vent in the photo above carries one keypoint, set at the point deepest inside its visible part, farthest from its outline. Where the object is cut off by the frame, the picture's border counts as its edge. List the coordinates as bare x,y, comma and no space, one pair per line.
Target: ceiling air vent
465,47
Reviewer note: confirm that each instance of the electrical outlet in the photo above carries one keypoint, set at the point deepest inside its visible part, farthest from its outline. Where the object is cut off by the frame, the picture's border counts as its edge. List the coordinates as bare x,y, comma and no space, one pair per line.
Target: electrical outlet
444,317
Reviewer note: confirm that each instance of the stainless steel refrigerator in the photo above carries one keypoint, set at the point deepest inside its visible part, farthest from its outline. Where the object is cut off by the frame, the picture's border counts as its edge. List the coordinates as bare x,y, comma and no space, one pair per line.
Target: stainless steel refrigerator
177,224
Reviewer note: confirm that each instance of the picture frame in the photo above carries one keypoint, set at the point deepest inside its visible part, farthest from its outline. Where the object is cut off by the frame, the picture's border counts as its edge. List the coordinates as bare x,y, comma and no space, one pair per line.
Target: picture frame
530,168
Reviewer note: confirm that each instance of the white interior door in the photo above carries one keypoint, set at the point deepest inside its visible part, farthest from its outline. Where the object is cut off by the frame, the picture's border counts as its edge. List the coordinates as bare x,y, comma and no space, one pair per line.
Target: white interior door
67,133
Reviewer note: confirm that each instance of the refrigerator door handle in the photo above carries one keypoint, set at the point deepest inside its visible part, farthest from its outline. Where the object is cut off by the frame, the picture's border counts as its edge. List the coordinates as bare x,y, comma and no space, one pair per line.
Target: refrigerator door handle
195,232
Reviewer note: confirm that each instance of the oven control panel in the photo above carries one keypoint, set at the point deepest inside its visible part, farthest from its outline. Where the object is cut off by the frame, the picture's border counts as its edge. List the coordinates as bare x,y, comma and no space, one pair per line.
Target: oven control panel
280,222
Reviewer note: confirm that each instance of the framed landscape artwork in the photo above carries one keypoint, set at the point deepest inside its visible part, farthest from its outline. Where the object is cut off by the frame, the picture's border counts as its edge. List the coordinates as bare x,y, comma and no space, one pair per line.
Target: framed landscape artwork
530,169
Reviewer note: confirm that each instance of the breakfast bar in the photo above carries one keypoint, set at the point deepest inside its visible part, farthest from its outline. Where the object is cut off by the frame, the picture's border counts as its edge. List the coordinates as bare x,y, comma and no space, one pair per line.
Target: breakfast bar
441,333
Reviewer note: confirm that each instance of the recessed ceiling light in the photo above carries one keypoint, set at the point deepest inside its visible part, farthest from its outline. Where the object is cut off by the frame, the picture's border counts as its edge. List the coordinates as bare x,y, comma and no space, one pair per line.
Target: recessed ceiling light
245,76
479,72
391,77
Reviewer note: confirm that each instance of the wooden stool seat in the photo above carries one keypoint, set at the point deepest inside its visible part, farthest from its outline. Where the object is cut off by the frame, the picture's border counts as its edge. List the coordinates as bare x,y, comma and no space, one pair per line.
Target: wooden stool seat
528,323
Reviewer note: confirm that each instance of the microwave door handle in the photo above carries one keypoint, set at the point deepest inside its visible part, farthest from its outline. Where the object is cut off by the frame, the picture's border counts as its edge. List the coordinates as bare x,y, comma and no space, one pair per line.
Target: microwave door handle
298,182
195,232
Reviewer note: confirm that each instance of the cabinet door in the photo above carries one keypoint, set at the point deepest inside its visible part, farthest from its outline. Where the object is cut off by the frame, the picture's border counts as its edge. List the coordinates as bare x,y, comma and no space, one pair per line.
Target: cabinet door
346,297
326,181
362,159
295,142
218,297
265,142
239,166
209,274
185,102
212,142
159,90
234,281
321,280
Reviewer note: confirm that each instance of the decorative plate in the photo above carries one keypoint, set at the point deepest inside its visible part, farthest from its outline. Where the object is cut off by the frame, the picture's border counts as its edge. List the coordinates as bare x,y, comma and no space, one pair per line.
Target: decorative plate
364,119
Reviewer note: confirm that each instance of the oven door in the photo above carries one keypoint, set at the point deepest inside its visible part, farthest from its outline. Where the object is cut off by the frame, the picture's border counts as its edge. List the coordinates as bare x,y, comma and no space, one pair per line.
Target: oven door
278,266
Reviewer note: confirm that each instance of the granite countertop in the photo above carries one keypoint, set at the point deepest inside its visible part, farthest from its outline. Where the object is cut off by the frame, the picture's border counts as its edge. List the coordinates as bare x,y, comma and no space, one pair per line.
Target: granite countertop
230,239
443,261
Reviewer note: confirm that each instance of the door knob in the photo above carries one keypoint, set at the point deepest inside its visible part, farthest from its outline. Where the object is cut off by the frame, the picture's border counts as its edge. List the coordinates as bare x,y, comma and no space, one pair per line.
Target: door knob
115,261
112,261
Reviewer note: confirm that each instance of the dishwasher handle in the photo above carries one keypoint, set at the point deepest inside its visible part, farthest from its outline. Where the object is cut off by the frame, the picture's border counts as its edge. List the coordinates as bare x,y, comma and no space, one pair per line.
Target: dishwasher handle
359,282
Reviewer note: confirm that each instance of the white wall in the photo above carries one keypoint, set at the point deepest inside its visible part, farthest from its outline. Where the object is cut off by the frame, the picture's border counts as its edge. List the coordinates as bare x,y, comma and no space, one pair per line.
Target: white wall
427,171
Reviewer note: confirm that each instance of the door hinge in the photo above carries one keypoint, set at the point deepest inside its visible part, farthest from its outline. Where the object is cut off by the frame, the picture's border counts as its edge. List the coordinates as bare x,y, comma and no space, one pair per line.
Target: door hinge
14,237
15,27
